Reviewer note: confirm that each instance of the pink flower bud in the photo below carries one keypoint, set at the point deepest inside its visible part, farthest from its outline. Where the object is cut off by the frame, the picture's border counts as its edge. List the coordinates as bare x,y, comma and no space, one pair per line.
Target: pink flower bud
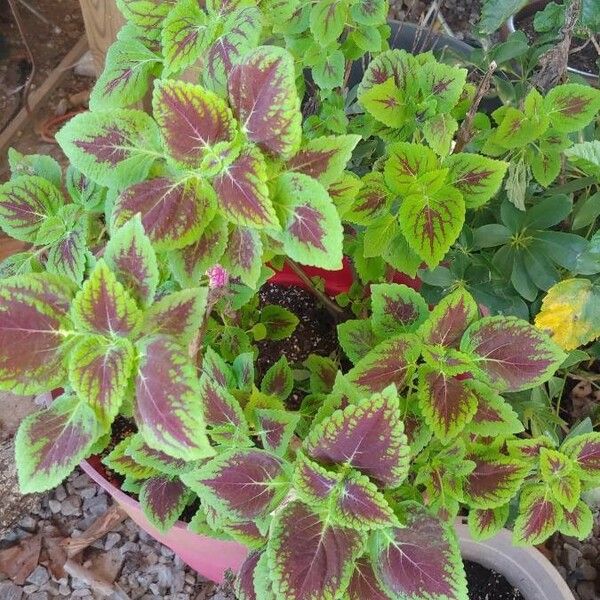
218,277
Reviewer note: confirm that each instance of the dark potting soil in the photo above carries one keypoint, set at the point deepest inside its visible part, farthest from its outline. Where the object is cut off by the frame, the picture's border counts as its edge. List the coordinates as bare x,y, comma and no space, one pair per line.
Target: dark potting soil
485,584
584,59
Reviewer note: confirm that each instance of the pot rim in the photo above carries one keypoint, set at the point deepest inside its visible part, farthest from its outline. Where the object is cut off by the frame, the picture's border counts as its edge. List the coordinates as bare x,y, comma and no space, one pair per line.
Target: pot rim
525,11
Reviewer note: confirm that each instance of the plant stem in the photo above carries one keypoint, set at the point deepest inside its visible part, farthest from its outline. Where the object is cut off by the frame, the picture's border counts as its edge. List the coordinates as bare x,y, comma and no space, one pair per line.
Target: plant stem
334,310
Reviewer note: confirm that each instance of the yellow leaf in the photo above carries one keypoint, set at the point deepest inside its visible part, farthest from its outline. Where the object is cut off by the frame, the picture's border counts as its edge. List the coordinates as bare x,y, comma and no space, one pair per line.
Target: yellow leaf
571,313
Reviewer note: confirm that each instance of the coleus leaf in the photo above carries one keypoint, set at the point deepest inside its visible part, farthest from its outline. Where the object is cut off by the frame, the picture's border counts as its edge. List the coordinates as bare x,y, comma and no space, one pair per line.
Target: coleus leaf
84,191
25,202
162,500
120,461
369,12
398,64
324,158
113,148
191,120
447,403
578,522
364,584
449,319
173,212
242,192
127,70
386,102
586,156
557,471
495,479
323,372
99,371
130,256
166,410
328,71
276,428
263,95
327,21
371,202
243,366
67,256
217,369
571,106
443,83
51,442
357,338
243,255
244,581
42,165
476,177
279,322
179,314
104,306
186,35
245,532
241,484
148,15
310,557
368,436
539,516
420,560
431,222
406,163
396,309
529,448
584,451
439,131
512,353
190,263
33,324
278,381
485,523
241,33
156,460
494,416
342,394
314,483
391,361
312,230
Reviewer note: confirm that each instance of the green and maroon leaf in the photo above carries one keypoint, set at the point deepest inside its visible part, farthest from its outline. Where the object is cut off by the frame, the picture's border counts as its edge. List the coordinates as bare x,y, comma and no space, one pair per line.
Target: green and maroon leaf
242,29
263,95
120,461
221,410
396,309
242,192
485,523
368,436
191,120
276,428
370,12
148,15
167,410
513,354
447,403
312,231
323,371
99,371
189,264
278,381
309,557
154,459
571,106
324,158
173,213
179,314
356,338
314,483
241,484
51,442
396,64
162,500
25,202
104,306
494,416
578,522
67,256
495,479
217,369
528,448
441,82
476,177
406,163
114,148
420,560
363,583
130,256
539,516
327,21
439,131
390,362
584,451
244,581
371,201
243,255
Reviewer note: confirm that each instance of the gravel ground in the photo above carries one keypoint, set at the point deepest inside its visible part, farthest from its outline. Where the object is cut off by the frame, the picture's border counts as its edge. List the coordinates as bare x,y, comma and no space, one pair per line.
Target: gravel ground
139,566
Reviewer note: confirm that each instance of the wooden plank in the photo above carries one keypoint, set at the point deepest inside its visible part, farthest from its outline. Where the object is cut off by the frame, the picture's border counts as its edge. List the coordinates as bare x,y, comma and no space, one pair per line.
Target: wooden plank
102,21
38,95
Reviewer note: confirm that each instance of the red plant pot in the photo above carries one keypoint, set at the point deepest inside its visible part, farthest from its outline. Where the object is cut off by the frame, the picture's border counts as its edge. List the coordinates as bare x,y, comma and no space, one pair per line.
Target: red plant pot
209,556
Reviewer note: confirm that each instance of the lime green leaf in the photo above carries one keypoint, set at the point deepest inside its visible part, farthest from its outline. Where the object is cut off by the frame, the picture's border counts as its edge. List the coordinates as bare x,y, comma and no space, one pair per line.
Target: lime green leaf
485,523
539,516
572,106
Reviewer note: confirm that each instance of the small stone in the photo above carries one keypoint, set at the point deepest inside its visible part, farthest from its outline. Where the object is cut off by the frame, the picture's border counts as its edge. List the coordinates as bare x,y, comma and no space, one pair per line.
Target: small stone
80,481
129,547
38,596
10,591
178,582
95,506
88,492
60,493
29,589
167,552
54,506
190,579
81,593
71,506
64,590
28,523
112,539
589,551
588,572
587,590
572,556
39,576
